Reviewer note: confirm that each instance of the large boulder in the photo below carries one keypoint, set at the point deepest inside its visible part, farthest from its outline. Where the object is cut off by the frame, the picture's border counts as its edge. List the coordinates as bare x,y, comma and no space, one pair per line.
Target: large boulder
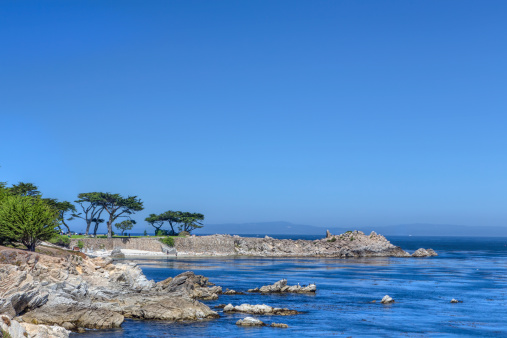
117,254
250,321
387,300
196,286
424,253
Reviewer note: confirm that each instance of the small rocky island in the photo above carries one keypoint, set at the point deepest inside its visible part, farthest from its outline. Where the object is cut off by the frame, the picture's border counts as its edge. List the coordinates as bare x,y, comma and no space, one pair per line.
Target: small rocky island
347,245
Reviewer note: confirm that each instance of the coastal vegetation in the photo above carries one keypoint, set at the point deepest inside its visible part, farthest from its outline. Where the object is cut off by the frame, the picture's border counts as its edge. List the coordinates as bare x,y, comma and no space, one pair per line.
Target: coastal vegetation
28,218
185,221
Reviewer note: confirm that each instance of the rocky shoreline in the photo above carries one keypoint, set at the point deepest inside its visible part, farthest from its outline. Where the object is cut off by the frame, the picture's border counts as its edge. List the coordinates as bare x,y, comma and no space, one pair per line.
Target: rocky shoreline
56,291
75,292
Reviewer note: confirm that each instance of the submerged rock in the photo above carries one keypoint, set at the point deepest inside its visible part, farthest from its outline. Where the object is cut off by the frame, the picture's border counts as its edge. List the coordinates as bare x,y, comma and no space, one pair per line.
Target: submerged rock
282,287
456,301
387,300
250,321
260,310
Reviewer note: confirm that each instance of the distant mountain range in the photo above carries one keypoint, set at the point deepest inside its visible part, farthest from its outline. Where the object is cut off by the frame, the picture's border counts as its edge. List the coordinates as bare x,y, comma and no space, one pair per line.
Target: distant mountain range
418,229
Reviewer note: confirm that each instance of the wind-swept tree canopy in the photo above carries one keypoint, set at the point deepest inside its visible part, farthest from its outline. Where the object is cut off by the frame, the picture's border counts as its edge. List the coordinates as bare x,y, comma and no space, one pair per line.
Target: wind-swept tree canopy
190,221
89,203
117,206
28,220
24,189
155,221
127,224
62,208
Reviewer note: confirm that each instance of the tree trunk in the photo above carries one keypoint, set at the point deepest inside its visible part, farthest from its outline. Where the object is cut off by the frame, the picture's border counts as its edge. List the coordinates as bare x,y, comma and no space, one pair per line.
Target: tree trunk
88,224
68,229
109,229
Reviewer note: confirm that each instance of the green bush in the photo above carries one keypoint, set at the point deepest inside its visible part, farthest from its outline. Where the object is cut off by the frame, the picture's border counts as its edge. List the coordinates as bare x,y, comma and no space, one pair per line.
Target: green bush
60,240
332,239
184,233
169,241
80,244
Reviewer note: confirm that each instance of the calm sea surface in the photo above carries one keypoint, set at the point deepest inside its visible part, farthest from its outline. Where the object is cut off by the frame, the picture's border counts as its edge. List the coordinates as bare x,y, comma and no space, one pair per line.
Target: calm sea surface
473,270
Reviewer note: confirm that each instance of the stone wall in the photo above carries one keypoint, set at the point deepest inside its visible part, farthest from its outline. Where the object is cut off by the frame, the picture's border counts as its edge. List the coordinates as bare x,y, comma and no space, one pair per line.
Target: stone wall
94,244
207,245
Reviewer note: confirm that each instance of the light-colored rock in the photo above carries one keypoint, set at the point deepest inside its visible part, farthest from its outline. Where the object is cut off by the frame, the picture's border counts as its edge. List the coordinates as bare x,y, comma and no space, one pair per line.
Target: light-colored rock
250,321
71,292
424,253
233,292
349,244
12,327
456,301
280,325
328,234
387,300
44,331
117,254
282,287
259,310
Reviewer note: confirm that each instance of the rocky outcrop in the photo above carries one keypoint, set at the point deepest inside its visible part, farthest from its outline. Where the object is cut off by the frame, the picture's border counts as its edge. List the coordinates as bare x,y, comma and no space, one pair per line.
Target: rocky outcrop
259,310
233,292
280,325
387,300
250,321
14,329
75,292
348,244
196,286
117,254
282,287
424,253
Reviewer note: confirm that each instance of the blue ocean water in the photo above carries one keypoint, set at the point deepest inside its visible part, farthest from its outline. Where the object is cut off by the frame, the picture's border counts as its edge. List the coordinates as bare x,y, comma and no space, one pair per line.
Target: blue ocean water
473,270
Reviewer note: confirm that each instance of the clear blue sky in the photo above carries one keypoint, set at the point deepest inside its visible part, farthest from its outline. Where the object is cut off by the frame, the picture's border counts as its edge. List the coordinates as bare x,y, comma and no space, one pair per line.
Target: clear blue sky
329,113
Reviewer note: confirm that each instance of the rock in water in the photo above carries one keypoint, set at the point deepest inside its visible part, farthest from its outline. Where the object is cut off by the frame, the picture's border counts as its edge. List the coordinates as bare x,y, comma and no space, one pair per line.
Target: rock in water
260,310
233,292
456,301
280,325
250,321
282,287
387,300
424,253
117,254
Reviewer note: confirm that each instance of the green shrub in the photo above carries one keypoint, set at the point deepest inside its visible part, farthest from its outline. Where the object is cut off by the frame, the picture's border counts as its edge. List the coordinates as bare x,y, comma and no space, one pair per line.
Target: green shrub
80,244
60,240
351,239
169,241
332,239
184,233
